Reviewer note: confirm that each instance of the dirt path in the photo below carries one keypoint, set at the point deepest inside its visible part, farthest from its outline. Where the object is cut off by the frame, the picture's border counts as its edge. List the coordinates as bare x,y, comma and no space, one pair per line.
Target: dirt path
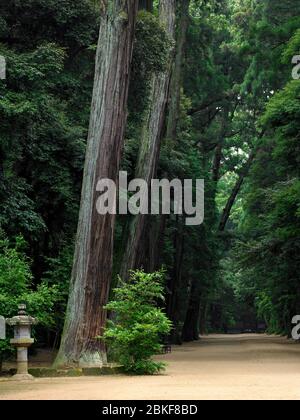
217,367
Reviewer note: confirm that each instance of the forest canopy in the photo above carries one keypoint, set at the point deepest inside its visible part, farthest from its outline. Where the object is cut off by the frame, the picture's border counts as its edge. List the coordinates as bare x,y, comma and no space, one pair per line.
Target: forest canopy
202,90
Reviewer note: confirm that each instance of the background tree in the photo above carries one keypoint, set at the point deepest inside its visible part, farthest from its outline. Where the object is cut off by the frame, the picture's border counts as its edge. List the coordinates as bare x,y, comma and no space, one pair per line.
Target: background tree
151,135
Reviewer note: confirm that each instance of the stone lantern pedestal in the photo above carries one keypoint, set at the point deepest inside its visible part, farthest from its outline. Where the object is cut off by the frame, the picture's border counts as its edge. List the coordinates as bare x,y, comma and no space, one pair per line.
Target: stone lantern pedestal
22,341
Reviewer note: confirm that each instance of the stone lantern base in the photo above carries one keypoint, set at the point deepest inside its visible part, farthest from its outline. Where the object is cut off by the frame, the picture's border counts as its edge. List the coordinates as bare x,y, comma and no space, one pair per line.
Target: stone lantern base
22,359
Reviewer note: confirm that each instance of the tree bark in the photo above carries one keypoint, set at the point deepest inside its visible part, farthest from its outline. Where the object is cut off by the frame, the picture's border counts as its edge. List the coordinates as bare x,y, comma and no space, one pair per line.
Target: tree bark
191,328
231,200
175,286
226,119
176,79
92,268
146,5
151,137
217,160
156,242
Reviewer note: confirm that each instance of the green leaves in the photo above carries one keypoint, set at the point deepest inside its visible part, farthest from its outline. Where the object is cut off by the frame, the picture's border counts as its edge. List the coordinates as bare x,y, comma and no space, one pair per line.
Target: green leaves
16,281
15,274
293,48
270,259
15,287
150,56
134,333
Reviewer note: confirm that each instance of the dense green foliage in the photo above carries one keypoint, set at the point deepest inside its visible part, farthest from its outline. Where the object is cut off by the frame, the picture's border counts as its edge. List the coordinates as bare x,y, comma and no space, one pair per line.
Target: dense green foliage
237,99
136,329
15,288
267,254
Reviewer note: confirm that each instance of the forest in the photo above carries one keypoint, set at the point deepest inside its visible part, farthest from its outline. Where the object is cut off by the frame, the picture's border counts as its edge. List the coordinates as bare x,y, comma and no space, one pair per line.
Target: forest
181,89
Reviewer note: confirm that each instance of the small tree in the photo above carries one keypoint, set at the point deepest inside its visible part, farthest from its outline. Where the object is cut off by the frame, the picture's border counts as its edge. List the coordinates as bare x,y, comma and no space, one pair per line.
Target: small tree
134,333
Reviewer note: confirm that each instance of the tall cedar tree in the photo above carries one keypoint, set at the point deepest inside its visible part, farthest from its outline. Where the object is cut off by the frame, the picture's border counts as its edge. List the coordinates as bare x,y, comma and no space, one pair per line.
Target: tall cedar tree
92,268
151,136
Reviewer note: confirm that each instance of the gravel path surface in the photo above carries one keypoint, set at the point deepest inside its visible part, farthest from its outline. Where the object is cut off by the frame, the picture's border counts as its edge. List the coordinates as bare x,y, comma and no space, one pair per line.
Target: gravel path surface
216,367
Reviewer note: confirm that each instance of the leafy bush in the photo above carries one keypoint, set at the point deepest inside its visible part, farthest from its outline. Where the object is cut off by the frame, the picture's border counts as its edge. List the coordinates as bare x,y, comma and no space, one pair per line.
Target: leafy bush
134,333
15,287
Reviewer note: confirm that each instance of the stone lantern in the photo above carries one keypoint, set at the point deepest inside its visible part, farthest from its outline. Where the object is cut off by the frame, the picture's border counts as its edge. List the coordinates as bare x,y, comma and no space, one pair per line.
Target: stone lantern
22,341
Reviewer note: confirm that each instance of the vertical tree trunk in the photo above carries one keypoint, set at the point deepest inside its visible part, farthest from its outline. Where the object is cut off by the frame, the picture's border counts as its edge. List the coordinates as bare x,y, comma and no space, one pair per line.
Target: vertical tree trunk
151,136
92,269
156,242
174,307
191,328
233,196
176,286
176,79
146,5
203,316
217,162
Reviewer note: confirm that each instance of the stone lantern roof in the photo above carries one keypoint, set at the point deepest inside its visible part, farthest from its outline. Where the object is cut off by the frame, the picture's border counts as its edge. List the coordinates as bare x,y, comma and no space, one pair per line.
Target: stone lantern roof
22,318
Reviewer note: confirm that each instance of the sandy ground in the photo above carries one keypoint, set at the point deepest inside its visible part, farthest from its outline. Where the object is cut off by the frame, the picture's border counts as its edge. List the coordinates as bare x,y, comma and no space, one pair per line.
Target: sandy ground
217,367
